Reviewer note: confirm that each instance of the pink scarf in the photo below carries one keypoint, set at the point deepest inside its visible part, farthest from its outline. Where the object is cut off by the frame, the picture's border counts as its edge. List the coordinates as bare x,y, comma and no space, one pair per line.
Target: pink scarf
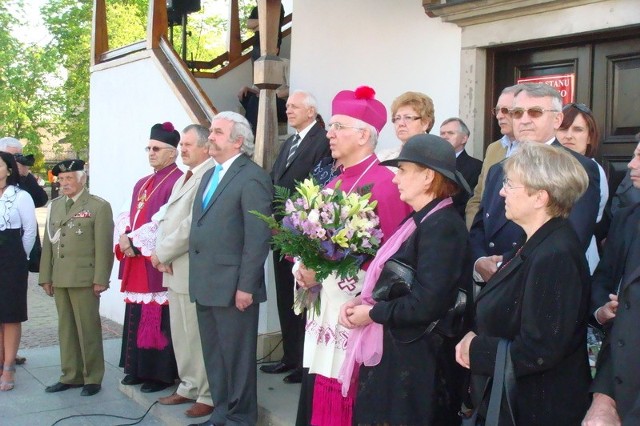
365,343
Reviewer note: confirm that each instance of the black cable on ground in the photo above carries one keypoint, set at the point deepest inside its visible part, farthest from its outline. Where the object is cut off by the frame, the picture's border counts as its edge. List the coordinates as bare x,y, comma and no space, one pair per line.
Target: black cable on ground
137,419
261,360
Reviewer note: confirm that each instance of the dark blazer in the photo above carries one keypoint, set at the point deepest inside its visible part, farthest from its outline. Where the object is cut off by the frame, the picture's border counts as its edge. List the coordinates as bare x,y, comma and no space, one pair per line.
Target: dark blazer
227,244
618,372
30,184
470,168
493,234
539,301
311,150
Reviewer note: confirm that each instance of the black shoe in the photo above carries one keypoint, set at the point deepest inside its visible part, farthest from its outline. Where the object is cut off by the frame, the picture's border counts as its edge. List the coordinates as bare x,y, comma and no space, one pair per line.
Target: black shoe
153,386
295,377
130,379
207,423
278,368
59,387
89,390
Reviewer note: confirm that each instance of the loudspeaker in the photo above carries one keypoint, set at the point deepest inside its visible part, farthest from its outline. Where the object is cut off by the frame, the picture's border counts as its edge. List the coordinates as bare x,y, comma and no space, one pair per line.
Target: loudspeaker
181,7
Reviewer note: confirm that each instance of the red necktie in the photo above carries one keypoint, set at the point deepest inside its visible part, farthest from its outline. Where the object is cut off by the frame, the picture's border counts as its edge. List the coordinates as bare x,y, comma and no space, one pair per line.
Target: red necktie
187,176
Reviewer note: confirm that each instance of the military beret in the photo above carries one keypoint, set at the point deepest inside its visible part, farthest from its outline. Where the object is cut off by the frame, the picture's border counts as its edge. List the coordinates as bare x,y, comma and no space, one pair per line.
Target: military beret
68,166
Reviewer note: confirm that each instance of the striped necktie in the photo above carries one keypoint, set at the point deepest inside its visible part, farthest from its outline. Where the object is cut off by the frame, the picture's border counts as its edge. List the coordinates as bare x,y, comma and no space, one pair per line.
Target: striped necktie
294,147
213,184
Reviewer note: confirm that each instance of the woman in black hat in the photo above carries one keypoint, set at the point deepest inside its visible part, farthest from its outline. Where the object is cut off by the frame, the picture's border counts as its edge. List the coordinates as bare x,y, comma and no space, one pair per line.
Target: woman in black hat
407,374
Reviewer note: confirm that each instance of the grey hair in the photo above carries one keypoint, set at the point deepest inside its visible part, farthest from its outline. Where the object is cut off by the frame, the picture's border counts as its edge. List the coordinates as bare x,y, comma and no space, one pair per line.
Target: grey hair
308,100
241,129
510,89
81,175
463,127
543,167
9,142
541,90
373,133
202,134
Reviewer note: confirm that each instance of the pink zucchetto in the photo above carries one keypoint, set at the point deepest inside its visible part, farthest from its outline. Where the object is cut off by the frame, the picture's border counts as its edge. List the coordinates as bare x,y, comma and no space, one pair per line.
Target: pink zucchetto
362,105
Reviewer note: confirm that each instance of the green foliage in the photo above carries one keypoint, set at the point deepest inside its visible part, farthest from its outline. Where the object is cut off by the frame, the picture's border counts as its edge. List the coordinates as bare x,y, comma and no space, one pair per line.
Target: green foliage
27,73
44,90
126,22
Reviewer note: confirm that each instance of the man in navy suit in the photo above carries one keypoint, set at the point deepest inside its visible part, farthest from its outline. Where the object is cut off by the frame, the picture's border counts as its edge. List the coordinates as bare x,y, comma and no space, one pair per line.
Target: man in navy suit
616,295
297,157
456,132
228,246
537,114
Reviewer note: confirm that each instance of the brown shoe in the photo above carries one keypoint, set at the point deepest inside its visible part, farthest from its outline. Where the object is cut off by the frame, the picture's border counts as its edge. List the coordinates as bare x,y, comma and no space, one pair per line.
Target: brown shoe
199,410
174,399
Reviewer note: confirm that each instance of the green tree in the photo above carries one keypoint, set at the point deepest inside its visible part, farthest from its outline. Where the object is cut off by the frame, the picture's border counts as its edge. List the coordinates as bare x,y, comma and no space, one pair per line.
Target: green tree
27,83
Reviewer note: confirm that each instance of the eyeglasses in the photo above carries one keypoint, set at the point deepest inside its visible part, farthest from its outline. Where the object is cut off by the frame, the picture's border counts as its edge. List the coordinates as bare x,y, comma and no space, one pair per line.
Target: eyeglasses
339,126
580,107
503,110
506,184
405,118
156,148
534,112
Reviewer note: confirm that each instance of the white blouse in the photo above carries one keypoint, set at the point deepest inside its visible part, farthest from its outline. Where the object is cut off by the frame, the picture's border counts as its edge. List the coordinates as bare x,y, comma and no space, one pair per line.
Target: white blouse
18,211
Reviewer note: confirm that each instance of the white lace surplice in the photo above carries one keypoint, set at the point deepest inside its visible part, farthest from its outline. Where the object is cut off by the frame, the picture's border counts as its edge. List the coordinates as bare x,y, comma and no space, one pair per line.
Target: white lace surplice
325,341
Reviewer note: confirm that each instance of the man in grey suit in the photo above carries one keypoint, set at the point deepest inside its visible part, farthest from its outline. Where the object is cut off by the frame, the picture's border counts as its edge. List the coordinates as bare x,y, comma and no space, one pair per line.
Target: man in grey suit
171,257
228,246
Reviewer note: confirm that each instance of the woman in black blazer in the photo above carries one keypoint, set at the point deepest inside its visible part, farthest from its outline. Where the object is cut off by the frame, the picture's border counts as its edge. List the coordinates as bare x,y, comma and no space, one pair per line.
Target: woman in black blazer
538,299
414,379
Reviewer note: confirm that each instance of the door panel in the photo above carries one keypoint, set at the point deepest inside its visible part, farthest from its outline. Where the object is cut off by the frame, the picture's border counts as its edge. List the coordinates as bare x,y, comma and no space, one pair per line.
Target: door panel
607,69
616,103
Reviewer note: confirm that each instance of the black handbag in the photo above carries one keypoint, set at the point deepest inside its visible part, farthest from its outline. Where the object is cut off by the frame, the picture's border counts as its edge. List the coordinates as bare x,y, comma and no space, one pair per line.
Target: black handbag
396,280
503,384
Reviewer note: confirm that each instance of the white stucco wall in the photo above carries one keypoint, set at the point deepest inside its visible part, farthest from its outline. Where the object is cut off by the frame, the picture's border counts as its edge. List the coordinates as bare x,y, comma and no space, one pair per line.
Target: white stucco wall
392,46
125,102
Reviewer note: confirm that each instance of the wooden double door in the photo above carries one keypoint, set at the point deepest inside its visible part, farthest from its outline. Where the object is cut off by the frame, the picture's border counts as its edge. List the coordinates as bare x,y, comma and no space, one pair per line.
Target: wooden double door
607,79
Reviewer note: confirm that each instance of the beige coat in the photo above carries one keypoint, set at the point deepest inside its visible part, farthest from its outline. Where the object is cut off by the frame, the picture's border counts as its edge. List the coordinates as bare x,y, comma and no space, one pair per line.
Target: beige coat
495,153
172,241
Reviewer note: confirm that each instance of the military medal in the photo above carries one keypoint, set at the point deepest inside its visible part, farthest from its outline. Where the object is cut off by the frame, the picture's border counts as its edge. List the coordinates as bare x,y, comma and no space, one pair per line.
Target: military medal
79,231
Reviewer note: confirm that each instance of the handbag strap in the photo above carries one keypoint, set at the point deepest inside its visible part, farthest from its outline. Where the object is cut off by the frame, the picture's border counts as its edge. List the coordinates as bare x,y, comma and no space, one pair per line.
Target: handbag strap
510,384
503,380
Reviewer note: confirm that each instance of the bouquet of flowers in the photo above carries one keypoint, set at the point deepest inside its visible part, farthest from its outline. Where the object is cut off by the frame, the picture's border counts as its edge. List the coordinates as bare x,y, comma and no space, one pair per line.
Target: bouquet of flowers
329,230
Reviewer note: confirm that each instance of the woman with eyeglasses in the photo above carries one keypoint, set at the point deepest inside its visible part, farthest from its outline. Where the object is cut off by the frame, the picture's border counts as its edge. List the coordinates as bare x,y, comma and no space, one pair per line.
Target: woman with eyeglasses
537,300
412,113
579,132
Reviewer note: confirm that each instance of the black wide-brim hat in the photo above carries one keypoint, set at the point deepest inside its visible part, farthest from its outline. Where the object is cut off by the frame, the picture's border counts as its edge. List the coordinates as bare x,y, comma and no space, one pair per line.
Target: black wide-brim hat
434,153
68,166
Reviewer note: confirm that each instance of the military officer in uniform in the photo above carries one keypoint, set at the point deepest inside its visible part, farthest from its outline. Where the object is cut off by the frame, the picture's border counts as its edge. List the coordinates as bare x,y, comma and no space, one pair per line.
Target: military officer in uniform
75,267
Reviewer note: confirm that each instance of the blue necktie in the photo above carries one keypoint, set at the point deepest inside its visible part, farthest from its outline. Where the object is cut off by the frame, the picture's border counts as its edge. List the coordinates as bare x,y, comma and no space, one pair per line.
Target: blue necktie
213,184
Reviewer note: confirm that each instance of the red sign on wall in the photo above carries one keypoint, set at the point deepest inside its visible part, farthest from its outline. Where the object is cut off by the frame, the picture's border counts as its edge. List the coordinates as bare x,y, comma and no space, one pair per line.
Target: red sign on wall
563,83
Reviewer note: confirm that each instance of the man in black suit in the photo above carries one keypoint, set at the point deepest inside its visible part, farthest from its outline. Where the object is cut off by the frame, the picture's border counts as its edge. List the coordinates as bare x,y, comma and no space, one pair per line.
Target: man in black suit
228,246
615,299
537,114
297,157
456,132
